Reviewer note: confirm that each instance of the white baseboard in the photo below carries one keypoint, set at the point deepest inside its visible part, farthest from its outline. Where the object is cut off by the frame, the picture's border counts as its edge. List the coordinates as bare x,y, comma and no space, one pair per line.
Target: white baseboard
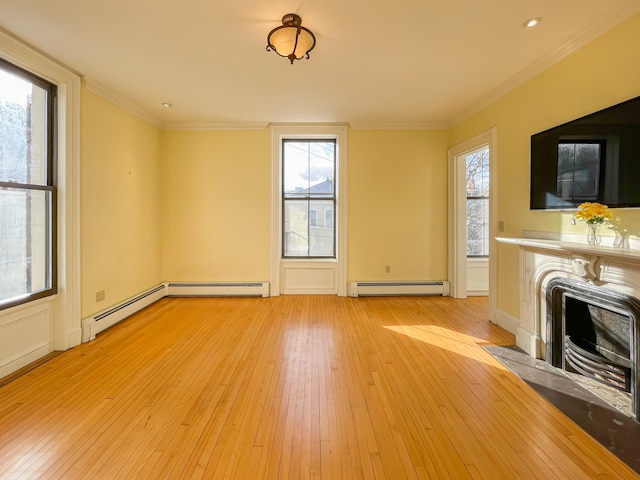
528,342
477,293
74,337
506,321
23,359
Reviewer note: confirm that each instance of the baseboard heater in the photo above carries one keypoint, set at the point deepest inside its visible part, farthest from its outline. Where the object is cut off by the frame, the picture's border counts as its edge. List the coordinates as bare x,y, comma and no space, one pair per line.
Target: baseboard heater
95,324
227,289
379,289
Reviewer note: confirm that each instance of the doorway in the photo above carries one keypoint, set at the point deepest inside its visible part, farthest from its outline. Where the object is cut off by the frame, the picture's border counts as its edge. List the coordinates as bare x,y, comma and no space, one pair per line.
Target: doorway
472,167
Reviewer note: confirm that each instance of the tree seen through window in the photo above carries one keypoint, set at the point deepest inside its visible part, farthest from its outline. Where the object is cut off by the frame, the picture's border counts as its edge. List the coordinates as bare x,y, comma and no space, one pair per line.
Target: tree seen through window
477,187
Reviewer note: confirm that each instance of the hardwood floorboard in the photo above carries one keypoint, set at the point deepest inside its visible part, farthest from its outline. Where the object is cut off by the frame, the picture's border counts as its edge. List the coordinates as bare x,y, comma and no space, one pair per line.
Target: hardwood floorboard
292,387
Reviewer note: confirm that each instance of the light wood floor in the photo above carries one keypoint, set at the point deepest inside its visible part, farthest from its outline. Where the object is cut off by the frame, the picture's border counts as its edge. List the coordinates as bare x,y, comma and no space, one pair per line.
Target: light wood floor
291,387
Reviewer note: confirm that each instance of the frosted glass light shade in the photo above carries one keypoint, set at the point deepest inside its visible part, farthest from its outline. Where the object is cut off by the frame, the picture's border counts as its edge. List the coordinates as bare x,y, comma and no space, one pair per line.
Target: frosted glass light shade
291,40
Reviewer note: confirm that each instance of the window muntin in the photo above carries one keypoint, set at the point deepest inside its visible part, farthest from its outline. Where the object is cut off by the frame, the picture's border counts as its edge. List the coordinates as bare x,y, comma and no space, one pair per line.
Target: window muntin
308,170
27,189
477,186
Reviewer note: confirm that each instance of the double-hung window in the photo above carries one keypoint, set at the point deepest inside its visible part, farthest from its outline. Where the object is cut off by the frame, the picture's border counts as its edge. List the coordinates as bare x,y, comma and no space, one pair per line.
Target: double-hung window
27,186
309,198
477,163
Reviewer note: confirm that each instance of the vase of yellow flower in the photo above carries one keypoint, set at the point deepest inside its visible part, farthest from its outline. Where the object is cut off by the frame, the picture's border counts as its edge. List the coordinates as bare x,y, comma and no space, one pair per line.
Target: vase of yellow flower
594,215
593,235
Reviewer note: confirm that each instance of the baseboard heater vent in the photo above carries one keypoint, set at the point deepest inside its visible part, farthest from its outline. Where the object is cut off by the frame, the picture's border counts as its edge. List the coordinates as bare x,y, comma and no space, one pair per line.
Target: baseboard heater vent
232,289
379,289
93,325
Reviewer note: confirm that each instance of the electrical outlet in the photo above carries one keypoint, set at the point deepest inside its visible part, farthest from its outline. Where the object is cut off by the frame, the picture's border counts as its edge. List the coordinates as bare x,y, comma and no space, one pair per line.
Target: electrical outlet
501,225
387,269
100,296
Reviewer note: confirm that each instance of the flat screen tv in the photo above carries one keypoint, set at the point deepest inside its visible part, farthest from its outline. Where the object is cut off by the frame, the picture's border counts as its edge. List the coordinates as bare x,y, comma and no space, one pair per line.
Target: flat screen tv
595,158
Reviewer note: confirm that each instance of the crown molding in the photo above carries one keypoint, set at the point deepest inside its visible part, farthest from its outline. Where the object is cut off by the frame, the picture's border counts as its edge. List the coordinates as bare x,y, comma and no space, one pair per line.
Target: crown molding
399,125
604,25
128,105
263,125
215,126
14,48
308,124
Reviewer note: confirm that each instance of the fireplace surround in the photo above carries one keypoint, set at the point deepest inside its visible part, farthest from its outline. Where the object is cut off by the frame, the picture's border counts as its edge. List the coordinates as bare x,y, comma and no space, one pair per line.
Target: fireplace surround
598,286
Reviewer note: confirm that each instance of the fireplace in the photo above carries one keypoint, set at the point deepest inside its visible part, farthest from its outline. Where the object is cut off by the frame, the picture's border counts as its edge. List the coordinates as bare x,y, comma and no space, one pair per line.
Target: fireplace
598,287
593,331
579,310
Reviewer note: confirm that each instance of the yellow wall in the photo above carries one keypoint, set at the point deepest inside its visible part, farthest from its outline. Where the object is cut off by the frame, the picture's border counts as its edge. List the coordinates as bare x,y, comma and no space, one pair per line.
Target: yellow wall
603,73
216,211
120,204
195,205
216,205
397,205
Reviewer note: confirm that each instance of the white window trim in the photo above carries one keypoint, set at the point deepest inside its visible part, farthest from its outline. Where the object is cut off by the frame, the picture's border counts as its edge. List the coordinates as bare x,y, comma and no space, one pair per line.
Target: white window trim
309,131
65,305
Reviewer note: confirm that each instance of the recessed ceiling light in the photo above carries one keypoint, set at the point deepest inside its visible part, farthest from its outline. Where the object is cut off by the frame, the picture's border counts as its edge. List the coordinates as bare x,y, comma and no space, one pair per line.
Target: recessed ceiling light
532,22
166,105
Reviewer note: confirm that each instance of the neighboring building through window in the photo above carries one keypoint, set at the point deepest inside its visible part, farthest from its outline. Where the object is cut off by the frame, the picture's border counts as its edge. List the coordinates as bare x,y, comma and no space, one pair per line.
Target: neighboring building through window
308,173
328,217
27,186
478,202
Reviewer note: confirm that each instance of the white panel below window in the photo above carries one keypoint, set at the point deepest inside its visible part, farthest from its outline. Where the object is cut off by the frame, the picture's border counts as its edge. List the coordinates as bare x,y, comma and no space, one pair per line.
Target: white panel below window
319,277
477,276
25,336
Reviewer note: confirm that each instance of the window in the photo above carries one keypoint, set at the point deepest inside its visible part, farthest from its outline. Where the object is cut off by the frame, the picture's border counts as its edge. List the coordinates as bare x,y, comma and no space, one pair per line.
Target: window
313,217
478,202
27,186
328,217
308,173
579,166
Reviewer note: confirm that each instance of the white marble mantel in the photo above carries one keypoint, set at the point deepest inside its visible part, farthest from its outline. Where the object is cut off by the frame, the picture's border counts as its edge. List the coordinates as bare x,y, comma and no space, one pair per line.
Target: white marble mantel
542,260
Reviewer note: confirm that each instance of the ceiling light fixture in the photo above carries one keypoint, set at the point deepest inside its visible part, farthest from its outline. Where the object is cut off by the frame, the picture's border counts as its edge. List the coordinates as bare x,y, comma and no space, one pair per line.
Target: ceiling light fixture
291,40
166,105
532,22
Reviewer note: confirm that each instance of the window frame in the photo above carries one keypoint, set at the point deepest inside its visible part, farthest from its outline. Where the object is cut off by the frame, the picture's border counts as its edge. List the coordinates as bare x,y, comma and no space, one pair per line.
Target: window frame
51,266
309,198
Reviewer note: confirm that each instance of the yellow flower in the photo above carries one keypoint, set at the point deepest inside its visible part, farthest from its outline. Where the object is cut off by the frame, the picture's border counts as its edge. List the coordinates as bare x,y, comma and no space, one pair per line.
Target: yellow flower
593,213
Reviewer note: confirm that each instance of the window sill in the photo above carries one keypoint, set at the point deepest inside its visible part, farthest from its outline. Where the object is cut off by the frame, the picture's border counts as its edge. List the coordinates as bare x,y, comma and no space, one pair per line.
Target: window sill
308,260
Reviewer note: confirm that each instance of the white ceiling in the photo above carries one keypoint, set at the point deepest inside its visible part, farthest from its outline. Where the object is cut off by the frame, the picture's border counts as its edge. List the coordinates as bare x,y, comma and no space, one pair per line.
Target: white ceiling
407,62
